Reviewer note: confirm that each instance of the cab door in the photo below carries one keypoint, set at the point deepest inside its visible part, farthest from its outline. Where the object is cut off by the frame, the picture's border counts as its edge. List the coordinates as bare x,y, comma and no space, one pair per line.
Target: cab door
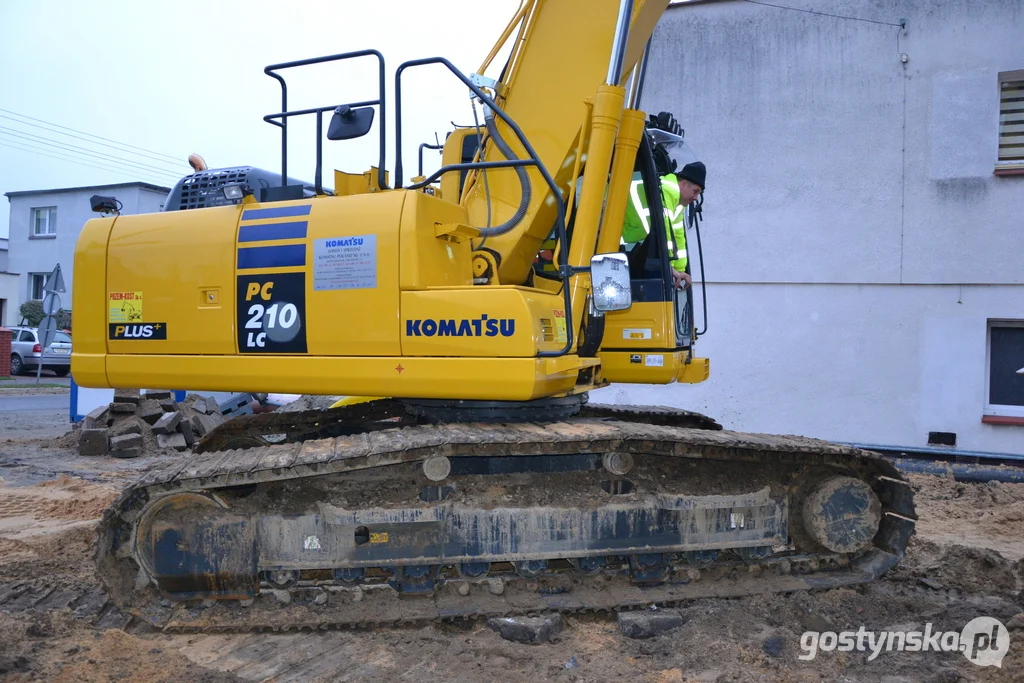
650,342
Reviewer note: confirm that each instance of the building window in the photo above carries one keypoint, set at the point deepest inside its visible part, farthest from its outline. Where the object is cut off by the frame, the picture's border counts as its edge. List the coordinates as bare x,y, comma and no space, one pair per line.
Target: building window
44,222
1005,361
1011,120
36,281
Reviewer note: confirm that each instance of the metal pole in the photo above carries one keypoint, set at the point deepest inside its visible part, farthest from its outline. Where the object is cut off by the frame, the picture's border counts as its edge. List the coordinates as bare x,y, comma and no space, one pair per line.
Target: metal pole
619,46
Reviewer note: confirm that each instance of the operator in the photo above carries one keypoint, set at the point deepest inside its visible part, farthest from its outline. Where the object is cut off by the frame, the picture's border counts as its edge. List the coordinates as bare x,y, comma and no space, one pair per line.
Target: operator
678,191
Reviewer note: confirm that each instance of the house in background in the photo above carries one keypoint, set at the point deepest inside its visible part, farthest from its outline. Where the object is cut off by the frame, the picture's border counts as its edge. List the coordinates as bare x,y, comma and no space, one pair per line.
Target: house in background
863,218
44,229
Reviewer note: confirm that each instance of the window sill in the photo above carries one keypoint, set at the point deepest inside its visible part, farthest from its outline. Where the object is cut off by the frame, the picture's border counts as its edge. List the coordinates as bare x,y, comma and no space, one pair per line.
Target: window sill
1002,420
42,237
1009,169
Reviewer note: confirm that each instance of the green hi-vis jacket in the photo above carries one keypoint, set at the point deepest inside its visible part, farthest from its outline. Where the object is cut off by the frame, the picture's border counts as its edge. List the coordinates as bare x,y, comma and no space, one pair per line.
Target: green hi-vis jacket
637,222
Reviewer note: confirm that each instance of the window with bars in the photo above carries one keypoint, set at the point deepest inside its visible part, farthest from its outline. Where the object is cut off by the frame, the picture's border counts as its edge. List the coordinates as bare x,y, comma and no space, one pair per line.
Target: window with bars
1011,119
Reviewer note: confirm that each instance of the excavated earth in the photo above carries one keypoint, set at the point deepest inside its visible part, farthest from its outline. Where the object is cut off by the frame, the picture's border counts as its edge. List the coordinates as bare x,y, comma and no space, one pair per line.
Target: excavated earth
966,561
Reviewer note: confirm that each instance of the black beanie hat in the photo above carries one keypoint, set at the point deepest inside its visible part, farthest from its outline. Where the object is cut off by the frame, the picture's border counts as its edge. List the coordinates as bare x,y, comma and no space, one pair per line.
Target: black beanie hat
695,172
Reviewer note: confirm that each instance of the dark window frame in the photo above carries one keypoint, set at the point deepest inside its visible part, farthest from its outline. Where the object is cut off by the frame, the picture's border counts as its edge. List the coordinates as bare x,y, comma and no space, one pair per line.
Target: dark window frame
32,279
1000,409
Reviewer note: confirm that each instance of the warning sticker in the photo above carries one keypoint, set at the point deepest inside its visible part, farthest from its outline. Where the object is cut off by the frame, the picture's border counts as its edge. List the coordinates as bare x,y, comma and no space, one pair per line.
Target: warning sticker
345,263
561,334
125,307
652,360
643,333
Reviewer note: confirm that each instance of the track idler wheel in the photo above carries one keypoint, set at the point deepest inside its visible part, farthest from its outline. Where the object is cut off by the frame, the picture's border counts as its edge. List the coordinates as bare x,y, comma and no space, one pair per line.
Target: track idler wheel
842,514
194,548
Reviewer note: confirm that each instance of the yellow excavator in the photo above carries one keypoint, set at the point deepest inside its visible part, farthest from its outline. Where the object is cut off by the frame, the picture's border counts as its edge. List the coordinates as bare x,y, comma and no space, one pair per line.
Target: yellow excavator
485,301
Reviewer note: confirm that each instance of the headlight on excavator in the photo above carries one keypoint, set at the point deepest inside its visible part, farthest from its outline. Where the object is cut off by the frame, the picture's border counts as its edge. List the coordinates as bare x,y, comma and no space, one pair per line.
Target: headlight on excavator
609,274
236,192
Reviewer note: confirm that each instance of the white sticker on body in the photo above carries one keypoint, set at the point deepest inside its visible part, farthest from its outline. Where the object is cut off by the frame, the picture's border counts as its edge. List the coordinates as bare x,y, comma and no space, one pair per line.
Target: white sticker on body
345,263
654,360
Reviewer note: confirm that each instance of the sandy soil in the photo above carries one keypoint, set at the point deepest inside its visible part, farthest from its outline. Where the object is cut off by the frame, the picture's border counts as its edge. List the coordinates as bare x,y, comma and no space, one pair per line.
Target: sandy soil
964,562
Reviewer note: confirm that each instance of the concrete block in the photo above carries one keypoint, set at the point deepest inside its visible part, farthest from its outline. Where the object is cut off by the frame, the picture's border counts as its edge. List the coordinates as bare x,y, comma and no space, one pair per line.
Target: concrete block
97,419
648,623
126,446
529,630
169,405
93,442
167,424
125,441
126,453
127,396
185,427
123,408
158,395
175,441
150,411
200,406
133,425
205,424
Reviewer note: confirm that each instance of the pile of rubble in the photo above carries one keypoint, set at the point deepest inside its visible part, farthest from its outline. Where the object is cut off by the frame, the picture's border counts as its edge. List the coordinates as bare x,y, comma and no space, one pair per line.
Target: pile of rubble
136,423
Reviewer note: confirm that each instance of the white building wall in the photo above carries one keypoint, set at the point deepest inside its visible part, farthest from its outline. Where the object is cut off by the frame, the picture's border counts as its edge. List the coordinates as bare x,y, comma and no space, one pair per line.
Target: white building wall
28,254
9,296
856,238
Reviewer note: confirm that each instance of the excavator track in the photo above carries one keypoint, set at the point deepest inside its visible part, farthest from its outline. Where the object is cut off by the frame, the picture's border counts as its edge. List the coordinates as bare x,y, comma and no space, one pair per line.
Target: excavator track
266,429
262,538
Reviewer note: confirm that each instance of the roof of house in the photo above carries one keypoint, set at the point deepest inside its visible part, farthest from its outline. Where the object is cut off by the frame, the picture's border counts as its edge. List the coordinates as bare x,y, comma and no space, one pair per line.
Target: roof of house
145,186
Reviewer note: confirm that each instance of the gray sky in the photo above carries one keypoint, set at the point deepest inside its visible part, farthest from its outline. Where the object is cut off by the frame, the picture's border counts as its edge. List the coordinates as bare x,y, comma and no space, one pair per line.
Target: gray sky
187,76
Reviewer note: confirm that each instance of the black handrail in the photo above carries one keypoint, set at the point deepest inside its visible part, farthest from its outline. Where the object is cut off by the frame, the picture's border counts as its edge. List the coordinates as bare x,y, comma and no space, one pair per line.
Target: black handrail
284,113
423,146
565,270
468,166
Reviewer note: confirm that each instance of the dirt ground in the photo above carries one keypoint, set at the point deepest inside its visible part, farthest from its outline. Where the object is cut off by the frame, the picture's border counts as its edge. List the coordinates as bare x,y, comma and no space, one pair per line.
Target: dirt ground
55,624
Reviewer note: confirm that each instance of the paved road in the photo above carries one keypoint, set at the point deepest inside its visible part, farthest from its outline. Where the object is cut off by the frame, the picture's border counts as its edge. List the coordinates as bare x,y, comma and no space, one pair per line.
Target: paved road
28,402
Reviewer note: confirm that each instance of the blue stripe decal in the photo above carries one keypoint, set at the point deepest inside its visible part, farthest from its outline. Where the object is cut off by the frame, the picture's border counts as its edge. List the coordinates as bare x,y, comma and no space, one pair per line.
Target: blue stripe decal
279,212
272,231
272,257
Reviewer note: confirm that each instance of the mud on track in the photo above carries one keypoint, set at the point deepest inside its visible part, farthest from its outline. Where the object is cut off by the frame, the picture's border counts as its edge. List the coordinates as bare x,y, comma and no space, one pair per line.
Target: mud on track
55,624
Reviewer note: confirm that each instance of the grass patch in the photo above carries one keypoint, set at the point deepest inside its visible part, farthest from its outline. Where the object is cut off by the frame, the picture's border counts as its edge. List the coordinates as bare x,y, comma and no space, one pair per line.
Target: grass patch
11,384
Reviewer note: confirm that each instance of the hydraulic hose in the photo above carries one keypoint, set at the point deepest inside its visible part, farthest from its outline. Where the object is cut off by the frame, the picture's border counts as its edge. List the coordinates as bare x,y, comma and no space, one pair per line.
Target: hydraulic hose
524,180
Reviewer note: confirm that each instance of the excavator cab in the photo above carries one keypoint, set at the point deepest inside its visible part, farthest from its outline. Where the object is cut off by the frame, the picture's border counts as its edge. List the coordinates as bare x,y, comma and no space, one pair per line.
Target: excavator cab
653,340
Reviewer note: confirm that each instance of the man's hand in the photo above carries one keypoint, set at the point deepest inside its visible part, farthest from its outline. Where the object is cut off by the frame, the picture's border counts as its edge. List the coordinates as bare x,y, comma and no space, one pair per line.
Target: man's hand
679,278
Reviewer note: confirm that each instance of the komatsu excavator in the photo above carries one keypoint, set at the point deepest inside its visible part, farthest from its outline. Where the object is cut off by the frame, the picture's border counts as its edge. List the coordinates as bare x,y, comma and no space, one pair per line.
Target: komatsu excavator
484,301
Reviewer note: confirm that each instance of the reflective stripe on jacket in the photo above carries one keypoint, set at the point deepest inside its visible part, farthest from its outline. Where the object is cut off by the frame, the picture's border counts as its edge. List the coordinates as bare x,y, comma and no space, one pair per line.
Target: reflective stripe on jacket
637,222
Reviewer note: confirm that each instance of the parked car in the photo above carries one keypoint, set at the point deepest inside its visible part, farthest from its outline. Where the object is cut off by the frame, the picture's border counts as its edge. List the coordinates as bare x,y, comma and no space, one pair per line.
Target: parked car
27,352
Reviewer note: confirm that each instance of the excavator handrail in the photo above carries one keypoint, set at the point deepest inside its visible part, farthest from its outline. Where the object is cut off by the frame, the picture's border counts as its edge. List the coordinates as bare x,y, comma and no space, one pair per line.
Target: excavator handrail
565,270
284,113
469,166
423,146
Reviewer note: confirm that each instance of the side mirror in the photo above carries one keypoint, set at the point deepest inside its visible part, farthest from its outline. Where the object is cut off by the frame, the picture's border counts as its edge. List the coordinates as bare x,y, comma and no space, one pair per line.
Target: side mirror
609,274
348,123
